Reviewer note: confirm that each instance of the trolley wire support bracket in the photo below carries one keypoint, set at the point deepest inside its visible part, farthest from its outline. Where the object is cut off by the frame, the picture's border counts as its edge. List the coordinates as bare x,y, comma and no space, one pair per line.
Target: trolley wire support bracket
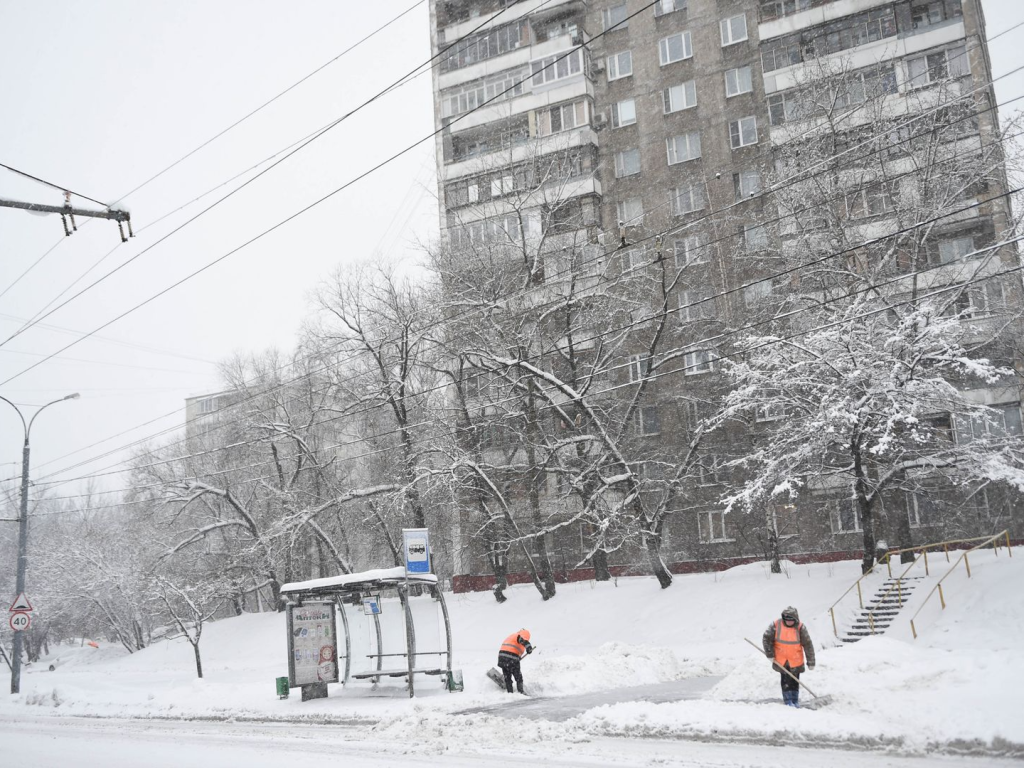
67,211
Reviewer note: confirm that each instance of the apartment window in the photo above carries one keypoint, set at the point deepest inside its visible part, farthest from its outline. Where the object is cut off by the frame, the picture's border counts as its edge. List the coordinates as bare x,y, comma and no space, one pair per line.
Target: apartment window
687,251
627,163
473,192
955,249
922,509
978,505
827,39
557,67
561,118
647,420
615,17
746,184
623,113
486,45
785,521
950,63
755,236
680,149
844,515
502,185
776,9
756,293
976,301
620,65
496,229
208,405
743,133
661,7
925,14
783,107
630,211
738,81
734,30
675,48
638,367
632,259
692,306
682,96
687,199
1003,420
872,200
698,361
711,527
771,412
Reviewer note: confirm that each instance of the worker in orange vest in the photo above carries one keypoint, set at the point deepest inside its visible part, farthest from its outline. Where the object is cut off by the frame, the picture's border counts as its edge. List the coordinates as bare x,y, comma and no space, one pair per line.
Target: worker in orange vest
788,644
512,651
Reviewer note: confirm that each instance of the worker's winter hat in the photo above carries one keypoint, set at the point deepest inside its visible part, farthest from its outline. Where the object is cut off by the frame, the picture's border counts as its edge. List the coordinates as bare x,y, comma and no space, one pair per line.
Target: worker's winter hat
525,634
790,614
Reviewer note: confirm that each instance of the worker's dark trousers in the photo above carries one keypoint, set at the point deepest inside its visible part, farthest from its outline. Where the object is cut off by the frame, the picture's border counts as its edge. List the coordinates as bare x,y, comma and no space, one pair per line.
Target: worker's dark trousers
790,689
510,668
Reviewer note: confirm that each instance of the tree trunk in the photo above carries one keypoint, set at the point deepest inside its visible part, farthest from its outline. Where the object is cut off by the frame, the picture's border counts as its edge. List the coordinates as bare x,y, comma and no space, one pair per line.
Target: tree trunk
547,578
199,662
600,562
773,538
658,567
863,508
499,567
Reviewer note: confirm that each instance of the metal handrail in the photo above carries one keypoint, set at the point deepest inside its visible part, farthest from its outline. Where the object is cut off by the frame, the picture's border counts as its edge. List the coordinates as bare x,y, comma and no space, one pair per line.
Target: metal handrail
993,540
898,586
923,548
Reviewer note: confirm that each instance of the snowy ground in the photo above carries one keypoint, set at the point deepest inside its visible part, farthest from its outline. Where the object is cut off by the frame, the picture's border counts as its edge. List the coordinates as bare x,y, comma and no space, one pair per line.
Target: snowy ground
956,692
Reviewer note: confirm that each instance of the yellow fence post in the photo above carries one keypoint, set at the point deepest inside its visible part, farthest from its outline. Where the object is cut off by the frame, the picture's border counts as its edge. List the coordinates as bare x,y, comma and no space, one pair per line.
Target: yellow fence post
899,591
913,629
871,623
942,598
834,630
926,563
945,548
1008,549
888,563
968,564
860,597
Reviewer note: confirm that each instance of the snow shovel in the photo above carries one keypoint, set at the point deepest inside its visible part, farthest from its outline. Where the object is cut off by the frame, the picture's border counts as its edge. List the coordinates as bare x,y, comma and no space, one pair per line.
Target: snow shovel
817,701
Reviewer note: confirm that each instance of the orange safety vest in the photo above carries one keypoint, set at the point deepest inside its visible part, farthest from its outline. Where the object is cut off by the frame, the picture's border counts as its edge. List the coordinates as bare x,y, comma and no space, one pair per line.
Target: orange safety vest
787,645
512,645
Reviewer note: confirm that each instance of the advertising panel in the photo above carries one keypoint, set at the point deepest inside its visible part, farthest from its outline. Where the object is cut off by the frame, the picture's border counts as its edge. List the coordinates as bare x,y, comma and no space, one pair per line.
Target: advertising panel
312,644
417,550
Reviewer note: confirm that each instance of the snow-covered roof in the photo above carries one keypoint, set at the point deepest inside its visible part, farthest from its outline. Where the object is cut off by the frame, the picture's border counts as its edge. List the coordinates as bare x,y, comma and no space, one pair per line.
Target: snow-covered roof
354,581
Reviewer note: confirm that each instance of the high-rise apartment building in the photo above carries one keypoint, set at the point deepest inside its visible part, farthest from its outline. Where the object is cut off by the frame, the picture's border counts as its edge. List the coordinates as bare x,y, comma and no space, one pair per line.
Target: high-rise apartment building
666,122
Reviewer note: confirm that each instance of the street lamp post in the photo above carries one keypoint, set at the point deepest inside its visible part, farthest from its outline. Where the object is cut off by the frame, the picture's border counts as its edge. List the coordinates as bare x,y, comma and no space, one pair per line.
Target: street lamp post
23,532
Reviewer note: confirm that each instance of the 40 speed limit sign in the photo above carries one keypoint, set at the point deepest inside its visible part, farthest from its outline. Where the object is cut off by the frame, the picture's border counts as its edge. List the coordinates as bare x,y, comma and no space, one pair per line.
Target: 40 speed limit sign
20,621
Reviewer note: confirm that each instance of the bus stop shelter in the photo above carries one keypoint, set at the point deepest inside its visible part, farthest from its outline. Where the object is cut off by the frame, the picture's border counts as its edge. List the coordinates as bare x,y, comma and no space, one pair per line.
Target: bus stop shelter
381,642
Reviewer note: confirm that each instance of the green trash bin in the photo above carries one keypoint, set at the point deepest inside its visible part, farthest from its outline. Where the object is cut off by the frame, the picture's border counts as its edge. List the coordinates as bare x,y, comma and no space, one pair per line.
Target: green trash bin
282,687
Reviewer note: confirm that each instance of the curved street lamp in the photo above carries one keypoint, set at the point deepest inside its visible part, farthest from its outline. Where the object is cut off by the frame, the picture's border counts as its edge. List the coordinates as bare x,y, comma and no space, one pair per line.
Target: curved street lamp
23,530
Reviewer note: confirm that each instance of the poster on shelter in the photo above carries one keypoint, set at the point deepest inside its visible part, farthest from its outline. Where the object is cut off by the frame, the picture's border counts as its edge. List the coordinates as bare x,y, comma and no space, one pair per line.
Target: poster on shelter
312,644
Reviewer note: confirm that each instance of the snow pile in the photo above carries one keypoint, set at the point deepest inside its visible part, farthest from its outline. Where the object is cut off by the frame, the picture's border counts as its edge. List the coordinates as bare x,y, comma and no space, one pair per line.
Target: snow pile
958,687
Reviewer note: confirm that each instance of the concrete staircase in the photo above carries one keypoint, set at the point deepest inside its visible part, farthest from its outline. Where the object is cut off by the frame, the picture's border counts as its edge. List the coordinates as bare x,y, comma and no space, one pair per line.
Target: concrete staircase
884,607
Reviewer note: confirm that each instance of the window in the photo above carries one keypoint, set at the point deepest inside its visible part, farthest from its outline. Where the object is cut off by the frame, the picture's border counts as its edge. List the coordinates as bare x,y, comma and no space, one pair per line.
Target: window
738,81
692,306
734,30
623,113
661,7
785,520
638,367
561,118
620,65
615,17
922,509
687,250
630,211
776,9
771,412
627,163
486,45
632,259
872,200
951,63
743,133
827,39
698,361
955,249
844,515
691,412
711,527
675,48
682,96
503,86
208,405
978,505
557,67
687,199
746,184
647,420
976,301
496,229
756,293
755,236
680,149
501,185
1002,421
925,13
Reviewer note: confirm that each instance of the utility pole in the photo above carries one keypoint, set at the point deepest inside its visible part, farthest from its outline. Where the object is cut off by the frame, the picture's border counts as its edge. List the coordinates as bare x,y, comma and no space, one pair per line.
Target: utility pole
23,533
68,213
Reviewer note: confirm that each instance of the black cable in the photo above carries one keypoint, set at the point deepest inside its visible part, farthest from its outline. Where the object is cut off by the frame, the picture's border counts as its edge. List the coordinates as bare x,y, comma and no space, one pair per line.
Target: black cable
65,190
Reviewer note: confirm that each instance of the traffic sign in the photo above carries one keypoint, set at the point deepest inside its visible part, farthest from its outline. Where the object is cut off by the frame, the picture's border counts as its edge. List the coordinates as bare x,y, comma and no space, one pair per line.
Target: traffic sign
20,621
20,603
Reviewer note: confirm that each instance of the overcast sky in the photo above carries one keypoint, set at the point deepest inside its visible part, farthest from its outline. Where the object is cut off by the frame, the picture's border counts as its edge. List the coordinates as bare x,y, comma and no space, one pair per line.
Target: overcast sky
98,97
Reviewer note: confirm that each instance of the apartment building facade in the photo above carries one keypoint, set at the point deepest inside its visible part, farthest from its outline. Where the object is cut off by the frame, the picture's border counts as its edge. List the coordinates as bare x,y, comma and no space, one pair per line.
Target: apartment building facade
676,112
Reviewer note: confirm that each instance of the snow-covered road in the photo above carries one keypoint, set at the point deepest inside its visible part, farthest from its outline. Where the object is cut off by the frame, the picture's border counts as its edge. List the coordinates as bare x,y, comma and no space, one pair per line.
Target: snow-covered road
113,743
